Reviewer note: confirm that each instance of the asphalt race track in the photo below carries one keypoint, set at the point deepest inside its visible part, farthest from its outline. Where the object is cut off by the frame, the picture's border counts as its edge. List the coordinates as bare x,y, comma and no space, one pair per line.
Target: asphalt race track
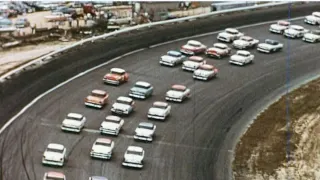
188,146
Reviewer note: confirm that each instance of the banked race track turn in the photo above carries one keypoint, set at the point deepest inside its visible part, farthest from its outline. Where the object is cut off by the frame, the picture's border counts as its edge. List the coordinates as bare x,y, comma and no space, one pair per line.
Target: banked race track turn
194,143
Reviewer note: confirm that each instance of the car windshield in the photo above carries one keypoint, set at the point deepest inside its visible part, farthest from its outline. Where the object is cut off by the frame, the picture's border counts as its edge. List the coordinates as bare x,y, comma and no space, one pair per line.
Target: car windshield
145,127
316,32
117,73
54,178
205,69
271,42
195,60
139,86
232,32
123,102
98,95
220,47
134,153
55,150
297,28
159,106
242,54
178,89
194,45
316,15
75,118
111,121
174,54
103,144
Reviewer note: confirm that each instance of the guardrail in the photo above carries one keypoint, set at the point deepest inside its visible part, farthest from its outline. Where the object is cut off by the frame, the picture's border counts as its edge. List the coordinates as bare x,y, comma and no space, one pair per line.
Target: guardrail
46,58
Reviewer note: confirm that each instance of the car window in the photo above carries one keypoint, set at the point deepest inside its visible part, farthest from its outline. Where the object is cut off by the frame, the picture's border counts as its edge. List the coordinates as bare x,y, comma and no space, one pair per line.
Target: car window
54,178
194,45
103,144
134,153
98,95
220,47
111,121
245,55
118,73
143,87
159,107
145,127
54,150
123,102
232,32
180,90
74,118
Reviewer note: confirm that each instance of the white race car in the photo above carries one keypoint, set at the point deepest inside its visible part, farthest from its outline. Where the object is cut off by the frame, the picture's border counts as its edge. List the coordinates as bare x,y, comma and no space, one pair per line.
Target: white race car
313,36
159,110
269,46
145,131
313,19
123,105
279,27
295,31
229,35
193,48
111,125
133,157
193,63
245,42
241,58
178,93
54,176
172,58
73,122
102,148
205,72
218,50
55,154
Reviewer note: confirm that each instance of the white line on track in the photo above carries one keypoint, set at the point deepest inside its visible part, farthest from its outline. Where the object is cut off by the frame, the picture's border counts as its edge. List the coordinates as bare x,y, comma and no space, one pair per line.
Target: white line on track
106,63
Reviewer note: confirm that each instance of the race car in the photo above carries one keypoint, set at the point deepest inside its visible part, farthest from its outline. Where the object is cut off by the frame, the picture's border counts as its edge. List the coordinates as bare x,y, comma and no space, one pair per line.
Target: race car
123,106
241,58
116,76
74,122
97,99
193,48
269,46
145,131
218,50
313,19
229,35
178,93
295,31
193,63
111,125
54,176
159,110
141,90
172,58
245,42
279,27
102,148
97,178
313,36
205,72
133,157
55,154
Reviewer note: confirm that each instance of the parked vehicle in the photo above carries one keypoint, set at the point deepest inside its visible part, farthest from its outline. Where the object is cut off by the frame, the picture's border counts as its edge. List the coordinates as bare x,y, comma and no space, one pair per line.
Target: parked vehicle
22,23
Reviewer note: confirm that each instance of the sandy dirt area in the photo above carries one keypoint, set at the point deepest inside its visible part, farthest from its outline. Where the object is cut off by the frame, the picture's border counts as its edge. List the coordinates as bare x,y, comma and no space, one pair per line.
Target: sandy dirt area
14,57
264,151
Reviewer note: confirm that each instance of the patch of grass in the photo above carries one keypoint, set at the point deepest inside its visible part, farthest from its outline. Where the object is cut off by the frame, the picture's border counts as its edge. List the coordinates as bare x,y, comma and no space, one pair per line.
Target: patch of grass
267,136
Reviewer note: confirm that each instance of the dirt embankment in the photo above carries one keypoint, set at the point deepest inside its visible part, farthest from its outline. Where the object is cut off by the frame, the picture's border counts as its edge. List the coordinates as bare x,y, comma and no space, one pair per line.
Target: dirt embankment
283,142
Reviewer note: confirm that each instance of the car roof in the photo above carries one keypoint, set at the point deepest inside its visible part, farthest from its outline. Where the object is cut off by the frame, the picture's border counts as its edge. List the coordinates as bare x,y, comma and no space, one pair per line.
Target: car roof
98,178
160,103
179,87
231,29
296,27
123,98
147,124
282,22
101,92
135,148
142,83
243,52
193,42
104,140
220,45
196,58
75,115
207,66
113,118
118,70
246,37
55,146
174,53
55,174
